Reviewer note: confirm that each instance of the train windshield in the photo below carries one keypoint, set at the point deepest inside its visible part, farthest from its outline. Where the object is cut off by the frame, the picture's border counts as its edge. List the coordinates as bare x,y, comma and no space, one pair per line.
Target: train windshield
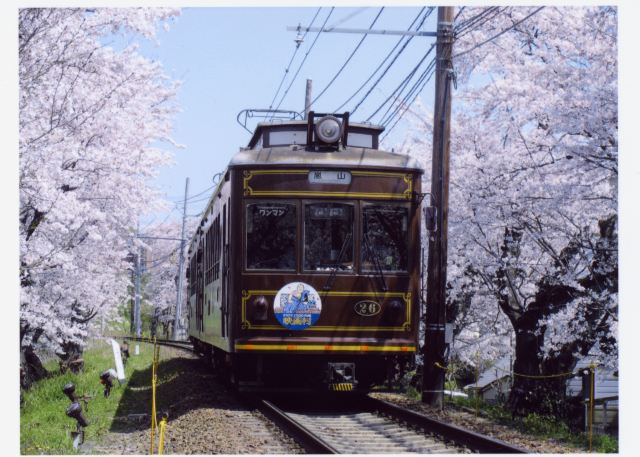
328,237
271,236
384,238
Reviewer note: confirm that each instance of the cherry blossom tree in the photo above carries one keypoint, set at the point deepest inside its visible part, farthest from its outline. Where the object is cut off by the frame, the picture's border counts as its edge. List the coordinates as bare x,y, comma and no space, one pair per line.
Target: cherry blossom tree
533,192
534,179
91,117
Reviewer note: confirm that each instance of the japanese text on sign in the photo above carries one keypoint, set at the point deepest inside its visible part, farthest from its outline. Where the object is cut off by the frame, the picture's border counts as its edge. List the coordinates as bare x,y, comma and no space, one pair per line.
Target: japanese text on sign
329,177
267,211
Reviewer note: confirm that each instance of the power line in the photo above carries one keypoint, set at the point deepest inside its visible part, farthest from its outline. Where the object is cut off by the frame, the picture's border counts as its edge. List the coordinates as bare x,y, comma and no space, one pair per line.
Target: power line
403,83
470,22
498,34
348,59
181,200
305,58
414,91
286,70
383,60
407,106
389,65
491,15
396,106
346,18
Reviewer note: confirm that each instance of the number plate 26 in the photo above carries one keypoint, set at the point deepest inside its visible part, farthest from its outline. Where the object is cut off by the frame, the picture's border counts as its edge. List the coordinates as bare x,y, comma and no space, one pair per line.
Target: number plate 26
367,308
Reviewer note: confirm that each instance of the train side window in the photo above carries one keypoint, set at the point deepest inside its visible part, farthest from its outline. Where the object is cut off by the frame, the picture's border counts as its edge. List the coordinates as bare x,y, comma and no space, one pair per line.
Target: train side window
328,237
385,237
271,236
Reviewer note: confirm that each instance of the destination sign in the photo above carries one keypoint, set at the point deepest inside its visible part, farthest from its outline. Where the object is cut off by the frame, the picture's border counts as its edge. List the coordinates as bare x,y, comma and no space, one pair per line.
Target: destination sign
329,177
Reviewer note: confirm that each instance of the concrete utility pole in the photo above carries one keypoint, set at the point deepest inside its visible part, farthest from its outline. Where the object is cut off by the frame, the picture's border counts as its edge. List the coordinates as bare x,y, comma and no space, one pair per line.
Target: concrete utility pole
177,324
433,371
307,99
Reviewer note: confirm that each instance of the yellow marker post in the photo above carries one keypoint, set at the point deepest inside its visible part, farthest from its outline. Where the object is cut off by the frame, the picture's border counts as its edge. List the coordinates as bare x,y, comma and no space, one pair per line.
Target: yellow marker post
163,424
154,423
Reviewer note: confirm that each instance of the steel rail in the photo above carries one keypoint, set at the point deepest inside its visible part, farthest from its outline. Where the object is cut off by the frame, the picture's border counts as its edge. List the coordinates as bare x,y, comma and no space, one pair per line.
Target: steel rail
186,345
310,441
475,441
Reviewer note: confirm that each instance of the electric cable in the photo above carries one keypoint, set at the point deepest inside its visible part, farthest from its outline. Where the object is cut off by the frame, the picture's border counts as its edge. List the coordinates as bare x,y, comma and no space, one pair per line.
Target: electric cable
498,34
420,83
473,20
346,18
408,105
286,70
383,60
404,46
403,83
348,59
305,58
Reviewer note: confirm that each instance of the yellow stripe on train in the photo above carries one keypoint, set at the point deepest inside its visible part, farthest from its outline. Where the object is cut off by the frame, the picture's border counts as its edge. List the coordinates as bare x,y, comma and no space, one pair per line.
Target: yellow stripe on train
341,386
322,347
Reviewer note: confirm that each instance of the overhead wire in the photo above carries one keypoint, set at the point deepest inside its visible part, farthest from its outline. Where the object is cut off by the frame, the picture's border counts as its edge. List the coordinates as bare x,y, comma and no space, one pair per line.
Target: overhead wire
383,61
415,90
404,46
395,106
160,260
403,83
473,20
492,13
465,27
305,58
498,34
346,18
348,59
406,107
295,51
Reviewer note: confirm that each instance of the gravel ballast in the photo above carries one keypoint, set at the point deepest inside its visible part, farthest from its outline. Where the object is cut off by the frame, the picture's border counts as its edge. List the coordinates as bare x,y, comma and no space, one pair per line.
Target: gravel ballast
479,424
204,416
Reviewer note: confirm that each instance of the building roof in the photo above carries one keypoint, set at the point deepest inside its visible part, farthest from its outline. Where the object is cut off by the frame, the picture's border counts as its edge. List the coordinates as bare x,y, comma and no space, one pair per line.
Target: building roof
500,370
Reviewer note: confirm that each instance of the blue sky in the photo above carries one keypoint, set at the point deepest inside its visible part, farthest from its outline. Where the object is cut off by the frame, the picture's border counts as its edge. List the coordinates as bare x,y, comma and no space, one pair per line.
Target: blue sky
230,59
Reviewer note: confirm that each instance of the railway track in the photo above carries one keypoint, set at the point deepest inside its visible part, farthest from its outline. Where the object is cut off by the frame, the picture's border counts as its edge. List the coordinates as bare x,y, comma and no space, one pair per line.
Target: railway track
186,345
356,424
363,425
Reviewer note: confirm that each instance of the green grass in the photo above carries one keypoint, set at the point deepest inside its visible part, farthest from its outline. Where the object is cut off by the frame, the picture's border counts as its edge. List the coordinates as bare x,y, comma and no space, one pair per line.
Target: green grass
541,426
44,426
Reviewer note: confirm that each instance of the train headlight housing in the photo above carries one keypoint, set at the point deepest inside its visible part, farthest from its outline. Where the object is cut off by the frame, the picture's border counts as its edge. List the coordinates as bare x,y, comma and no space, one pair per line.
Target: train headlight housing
329,129
260,308
393,310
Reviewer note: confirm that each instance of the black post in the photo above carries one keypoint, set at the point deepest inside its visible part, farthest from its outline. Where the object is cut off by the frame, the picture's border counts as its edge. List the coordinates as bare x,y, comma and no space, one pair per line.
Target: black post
433,371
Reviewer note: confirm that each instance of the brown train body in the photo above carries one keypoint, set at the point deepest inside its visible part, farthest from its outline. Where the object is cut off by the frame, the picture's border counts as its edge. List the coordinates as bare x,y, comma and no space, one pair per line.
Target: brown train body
305,270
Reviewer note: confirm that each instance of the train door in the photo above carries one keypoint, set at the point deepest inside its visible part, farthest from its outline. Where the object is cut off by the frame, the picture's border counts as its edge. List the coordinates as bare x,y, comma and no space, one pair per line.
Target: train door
225,271
200,285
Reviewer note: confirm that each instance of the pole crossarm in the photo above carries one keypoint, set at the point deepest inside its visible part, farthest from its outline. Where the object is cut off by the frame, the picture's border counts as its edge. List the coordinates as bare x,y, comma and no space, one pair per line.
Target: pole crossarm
160,238
367,31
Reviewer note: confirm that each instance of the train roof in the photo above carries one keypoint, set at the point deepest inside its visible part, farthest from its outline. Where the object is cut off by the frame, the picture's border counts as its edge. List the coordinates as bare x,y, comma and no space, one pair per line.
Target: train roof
282,143
293,155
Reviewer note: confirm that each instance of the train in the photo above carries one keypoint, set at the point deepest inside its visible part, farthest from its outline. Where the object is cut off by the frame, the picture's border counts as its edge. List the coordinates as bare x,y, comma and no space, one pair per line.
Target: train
304,272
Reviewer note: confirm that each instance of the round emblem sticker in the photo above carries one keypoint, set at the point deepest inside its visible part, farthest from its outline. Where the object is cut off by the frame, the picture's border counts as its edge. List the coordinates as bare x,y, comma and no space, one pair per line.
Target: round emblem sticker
297,306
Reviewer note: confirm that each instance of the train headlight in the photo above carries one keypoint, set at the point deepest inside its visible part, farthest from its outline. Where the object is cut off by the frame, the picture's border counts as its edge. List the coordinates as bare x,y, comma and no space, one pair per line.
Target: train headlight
329,129
393,310
260,308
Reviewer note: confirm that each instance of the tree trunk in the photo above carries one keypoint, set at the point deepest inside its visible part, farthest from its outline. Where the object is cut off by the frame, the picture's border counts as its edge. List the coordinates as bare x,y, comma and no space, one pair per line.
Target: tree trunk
71,359
544,391
31,368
